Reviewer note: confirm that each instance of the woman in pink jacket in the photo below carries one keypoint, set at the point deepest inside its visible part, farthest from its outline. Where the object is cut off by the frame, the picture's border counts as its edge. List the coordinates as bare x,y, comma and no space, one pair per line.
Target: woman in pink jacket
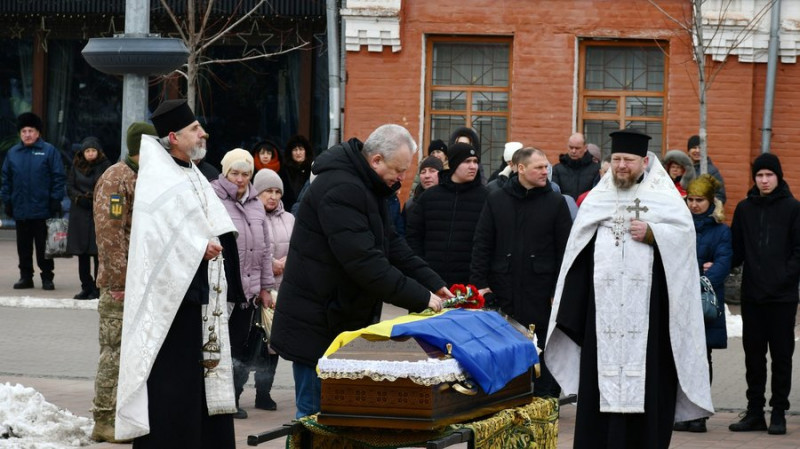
255,264
269,188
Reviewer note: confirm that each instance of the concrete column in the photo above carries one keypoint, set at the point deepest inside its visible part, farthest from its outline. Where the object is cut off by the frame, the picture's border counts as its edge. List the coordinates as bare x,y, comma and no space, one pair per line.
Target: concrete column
134,87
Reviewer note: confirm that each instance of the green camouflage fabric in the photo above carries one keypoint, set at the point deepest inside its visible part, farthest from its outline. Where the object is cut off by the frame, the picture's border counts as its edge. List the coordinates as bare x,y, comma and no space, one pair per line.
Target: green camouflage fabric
105,383
113,211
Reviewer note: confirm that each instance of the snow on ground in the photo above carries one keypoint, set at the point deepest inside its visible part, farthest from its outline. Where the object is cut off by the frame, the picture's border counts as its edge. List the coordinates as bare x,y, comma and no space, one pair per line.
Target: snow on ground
27,421
733,323
47,303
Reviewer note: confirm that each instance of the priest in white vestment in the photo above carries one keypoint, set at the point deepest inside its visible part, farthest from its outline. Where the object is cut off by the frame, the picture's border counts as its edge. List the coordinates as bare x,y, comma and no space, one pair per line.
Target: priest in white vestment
175,297
626,333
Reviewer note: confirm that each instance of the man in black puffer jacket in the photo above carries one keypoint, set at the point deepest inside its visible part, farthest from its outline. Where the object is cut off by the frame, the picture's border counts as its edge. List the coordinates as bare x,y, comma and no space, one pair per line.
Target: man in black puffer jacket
766,238
441,226
519,244
344,257
576,171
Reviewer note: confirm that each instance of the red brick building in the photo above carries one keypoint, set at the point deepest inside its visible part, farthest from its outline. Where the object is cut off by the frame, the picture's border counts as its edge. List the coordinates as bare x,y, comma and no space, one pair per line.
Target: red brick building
536,71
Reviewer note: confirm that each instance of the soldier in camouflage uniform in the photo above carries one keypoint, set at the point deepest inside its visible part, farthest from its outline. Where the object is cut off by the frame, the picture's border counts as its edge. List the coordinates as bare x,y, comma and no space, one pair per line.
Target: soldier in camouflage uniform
113,210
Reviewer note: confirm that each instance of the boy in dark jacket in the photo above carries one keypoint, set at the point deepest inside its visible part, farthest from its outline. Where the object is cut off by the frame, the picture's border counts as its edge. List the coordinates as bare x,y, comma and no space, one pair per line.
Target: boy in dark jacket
766,238
441,226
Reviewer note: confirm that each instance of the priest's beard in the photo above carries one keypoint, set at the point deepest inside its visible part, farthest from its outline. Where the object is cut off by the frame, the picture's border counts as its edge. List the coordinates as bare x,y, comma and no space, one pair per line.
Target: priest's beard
198,152
625,182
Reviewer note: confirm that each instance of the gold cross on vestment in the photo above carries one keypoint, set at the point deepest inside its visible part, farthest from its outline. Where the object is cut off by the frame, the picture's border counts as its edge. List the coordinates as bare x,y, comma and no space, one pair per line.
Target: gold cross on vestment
636,208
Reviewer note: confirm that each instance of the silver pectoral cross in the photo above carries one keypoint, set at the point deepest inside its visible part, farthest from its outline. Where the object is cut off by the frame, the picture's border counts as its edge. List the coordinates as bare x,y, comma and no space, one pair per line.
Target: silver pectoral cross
636,209
618,229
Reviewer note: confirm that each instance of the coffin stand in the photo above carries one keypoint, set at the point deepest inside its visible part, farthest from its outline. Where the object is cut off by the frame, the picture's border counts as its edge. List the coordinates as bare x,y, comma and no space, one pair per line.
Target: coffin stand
402,403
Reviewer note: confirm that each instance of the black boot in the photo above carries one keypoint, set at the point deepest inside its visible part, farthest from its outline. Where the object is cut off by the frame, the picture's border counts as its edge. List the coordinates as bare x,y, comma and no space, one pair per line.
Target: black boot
47,281
84,294
698,425
23,283
753,420
264,401
681,426
240,412
777,422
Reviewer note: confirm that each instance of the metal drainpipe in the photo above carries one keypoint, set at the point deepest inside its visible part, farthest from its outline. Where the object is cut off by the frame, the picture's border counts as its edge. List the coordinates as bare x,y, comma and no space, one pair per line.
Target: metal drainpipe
334,89
772,68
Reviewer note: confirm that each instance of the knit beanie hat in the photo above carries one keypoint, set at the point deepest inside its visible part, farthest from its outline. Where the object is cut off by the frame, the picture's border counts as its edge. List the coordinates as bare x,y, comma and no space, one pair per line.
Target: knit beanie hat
705,186
134,136
769,162
437,145
29,119
459,152
694,141
233,156
510,149
267,179
431,162
92,142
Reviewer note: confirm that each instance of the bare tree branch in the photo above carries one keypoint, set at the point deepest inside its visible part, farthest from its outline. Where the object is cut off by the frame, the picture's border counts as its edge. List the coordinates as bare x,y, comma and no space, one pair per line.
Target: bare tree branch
252,57
742,35
174,20
232,26
668,15
204,22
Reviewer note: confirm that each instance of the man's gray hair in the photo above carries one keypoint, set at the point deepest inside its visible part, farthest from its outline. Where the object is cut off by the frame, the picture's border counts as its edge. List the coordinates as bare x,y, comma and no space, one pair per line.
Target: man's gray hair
387,139
164,141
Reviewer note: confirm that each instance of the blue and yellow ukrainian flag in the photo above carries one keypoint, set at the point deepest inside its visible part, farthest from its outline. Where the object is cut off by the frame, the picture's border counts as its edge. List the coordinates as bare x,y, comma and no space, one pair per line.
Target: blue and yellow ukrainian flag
484,344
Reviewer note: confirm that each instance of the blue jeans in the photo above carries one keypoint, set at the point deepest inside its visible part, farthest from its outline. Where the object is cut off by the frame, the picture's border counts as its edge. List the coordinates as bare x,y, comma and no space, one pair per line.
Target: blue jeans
307,389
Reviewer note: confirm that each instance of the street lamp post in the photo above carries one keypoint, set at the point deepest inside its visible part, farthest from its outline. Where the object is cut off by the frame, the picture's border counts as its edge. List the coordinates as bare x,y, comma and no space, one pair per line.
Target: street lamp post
135,55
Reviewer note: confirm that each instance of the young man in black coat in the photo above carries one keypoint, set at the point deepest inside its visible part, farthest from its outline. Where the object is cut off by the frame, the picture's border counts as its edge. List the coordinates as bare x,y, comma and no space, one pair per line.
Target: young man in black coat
344,257
766,238
441,226
519,244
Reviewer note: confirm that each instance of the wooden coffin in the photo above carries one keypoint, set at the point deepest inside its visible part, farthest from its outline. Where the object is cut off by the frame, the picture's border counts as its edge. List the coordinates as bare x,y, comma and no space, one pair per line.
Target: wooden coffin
403,403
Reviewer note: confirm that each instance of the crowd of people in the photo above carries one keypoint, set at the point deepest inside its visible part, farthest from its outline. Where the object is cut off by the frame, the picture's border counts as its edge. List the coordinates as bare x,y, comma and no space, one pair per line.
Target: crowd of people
603,255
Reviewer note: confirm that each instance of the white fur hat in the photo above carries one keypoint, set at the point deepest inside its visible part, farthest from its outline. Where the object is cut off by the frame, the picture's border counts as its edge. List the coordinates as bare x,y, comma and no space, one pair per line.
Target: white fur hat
511,148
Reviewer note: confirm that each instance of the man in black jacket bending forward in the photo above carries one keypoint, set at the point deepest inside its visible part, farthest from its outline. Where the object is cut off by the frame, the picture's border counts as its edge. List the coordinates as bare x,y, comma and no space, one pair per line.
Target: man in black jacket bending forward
345,258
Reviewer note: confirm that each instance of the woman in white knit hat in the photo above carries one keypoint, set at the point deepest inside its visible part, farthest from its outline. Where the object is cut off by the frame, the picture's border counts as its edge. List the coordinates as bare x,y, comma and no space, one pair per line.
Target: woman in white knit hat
269,188
255,265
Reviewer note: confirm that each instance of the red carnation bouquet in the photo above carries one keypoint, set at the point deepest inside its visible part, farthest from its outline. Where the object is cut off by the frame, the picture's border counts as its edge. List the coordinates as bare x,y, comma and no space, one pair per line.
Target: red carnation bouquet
466,297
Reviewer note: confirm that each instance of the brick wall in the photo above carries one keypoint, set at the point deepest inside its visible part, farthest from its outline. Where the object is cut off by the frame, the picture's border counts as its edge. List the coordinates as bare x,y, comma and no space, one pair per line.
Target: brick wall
387,87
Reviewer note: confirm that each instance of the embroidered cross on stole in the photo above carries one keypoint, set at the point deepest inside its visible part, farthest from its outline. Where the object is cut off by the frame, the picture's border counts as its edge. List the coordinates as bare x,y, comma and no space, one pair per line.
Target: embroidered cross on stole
622,282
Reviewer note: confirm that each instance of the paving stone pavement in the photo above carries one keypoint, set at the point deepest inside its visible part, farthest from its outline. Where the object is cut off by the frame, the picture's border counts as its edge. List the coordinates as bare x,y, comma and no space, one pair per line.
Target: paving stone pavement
53,348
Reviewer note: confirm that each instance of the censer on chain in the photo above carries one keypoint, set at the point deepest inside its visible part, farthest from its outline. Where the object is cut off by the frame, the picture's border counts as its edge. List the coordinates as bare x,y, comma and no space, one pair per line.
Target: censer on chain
212,353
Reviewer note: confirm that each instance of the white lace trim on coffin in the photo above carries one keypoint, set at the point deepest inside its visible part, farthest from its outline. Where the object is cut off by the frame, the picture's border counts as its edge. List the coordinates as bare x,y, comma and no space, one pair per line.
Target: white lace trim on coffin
429,372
